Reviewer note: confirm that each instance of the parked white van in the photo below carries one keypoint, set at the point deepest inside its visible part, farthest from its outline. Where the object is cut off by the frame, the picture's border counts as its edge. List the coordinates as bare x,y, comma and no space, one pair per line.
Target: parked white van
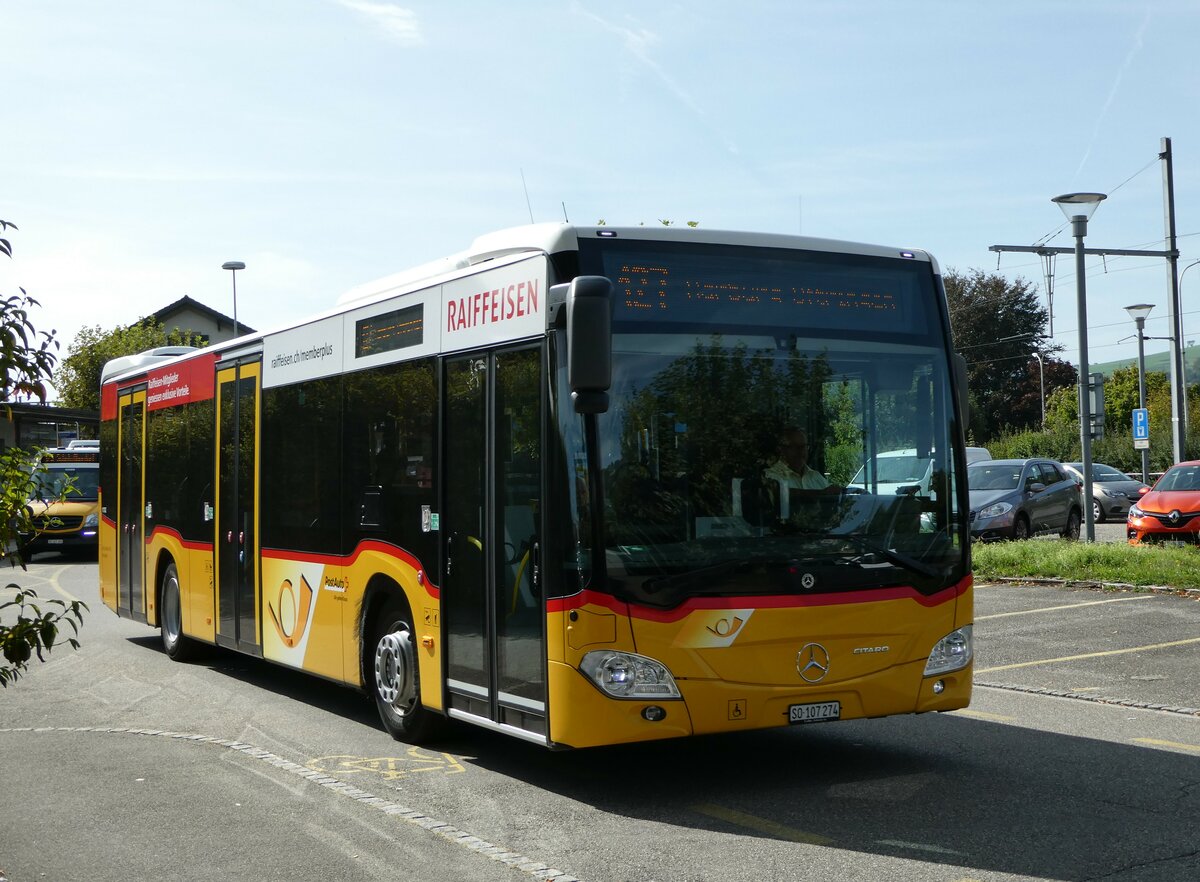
897,469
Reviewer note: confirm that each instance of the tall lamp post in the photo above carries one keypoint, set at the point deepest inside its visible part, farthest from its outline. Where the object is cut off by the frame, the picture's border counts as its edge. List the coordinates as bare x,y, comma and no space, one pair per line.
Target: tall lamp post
233,266
1138,312
1079,207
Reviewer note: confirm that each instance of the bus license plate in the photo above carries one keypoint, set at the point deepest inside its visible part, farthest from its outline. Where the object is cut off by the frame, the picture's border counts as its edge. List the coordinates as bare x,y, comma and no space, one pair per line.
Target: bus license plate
815,712
54,542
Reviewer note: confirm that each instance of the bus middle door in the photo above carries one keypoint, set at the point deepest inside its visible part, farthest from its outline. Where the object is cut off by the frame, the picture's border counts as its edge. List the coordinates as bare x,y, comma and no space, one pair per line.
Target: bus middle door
492,604
236,539
131,503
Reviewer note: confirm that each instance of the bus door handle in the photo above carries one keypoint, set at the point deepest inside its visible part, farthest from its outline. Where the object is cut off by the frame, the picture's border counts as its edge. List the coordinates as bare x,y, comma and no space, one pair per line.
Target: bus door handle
536,560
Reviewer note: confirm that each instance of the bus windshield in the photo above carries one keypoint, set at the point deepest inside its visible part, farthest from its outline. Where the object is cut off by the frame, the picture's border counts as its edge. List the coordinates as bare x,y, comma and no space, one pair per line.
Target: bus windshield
72,484
738,459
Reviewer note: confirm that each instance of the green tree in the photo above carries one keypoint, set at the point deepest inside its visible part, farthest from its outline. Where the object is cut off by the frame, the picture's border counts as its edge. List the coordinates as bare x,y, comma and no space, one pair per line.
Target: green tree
78,377
27,357
998,325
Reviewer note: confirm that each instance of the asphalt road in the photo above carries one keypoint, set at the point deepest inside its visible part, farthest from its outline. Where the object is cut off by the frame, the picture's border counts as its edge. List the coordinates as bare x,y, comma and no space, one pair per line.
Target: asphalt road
116,763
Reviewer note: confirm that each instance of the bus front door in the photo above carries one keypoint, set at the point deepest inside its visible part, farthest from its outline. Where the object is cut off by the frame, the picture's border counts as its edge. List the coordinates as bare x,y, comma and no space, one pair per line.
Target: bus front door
236,540
131,503
491,586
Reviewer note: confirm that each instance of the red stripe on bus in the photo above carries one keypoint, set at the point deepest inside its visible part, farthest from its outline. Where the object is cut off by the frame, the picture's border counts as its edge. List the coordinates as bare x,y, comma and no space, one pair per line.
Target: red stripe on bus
901,592
189,544
347,560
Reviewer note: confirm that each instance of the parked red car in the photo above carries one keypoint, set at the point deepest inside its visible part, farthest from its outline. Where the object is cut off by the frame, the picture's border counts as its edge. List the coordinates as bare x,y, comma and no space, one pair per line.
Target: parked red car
1169,512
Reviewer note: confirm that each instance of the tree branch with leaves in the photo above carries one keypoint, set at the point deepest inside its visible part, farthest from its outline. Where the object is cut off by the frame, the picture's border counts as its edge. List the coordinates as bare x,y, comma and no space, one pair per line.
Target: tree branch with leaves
27,359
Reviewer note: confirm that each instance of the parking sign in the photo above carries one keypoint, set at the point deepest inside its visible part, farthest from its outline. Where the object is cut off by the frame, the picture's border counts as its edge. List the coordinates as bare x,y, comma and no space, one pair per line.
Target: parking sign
1141,424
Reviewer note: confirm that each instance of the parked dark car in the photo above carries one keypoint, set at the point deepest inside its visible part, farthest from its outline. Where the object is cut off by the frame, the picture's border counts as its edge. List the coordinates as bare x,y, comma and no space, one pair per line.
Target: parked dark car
1019,498
1113,491
1169,512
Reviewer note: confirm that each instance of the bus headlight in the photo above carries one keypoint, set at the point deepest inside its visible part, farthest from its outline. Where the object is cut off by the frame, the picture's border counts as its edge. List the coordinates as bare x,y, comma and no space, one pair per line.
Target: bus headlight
92,520
952,652
627,675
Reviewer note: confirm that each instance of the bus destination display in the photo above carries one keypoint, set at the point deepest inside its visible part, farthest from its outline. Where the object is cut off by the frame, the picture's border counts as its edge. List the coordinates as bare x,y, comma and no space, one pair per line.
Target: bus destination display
806,291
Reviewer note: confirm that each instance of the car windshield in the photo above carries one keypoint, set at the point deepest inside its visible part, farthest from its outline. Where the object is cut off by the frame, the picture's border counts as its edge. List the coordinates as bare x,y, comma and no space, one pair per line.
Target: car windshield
1102,473
1180,478
901,469
991,476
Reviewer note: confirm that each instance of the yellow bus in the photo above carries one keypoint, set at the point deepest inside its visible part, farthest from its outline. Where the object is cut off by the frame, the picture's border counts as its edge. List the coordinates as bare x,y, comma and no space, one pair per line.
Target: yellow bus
65,508
539,486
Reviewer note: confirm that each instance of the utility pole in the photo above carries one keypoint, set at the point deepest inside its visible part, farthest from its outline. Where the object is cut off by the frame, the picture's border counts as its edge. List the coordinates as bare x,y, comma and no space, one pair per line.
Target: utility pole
1178,383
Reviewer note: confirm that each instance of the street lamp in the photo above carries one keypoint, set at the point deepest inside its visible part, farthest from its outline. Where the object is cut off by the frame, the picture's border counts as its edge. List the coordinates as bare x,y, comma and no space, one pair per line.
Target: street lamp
1079,207
1138,312
233,266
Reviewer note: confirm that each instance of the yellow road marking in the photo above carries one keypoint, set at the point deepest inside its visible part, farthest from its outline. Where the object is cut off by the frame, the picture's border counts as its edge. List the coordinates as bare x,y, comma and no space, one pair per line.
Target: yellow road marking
983,716
390,768
59,588
1029,612
762,825
1066,658
1159,743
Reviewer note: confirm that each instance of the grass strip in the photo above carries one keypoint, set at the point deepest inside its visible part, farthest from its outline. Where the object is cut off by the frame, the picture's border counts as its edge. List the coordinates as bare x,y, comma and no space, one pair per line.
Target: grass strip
1177,567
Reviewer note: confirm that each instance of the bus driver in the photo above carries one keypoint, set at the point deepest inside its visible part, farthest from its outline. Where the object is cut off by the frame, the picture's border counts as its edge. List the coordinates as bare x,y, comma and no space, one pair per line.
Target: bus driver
791,471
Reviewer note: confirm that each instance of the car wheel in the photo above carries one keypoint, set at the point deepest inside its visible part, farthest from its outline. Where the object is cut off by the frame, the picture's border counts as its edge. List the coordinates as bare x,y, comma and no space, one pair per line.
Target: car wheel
1097,512
1021,528
396,682
177,645
1071,530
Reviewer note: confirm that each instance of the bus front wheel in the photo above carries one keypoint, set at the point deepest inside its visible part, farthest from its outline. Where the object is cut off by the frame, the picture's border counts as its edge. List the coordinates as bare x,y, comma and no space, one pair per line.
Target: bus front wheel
396,682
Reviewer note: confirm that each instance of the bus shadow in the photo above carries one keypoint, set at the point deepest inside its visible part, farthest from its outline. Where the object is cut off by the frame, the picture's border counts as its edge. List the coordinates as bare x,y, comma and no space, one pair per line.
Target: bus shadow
940,789
324,695
945,789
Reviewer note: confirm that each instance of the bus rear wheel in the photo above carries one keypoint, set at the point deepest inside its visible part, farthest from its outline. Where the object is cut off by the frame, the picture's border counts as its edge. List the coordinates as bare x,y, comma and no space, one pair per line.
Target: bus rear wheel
177,645
395,684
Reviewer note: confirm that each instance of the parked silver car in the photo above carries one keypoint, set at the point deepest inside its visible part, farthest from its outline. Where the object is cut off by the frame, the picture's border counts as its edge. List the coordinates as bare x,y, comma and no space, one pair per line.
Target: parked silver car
1017,498
1113,491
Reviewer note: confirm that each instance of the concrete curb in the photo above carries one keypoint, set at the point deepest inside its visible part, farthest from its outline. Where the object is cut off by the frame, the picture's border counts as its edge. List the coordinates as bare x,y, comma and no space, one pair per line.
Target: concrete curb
1093,584
1095,699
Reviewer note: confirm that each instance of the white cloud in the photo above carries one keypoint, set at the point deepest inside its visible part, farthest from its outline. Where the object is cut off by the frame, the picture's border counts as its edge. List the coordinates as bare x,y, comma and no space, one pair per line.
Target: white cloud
397,23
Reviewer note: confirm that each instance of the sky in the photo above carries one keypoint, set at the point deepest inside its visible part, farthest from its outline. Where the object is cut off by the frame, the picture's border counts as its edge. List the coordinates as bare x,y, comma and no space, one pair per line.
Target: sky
327,143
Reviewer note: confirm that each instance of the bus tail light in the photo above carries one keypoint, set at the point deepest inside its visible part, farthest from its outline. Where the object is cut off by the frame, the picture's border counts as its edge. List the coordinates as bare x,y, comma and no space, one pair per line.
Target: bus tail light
627,675
951,653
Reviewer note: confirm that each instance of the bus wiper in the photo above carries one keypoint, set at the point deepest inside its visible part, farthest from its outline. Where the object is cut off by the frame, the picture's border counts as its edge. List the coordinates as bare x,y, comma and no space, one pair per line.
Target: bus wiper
899,558
711,575
689,578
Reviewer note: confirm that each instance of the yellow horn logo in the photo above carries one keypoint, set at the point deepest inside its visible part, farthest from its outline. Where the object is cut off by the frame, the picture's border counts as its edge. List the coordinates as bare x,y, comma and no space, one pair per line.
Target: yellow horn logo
289,615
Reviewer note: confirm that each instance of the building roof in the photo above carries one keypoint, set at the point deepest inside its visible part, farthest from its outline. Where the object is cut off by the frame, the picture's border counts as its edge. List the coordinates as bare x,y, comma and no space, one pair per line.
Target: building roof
187,304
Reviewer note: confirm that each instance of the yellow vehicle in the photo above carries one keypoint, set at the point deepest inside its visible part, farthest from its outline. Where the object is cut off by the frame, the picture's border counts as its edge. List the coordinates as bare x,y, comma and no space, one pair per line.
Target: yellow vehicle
530,487
65,507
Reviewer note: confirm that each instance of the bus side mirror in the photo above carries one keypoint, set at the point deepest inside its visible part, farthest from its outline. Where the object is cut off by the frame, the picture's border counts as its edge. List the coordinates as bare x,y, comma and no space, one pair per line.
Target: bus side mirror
589,342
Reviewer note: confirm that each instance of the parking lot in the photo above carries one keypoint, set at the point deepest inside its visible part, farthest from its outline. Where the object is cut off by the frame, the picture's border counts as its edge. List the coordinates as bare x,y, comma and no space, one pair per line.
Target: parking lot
1128,647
